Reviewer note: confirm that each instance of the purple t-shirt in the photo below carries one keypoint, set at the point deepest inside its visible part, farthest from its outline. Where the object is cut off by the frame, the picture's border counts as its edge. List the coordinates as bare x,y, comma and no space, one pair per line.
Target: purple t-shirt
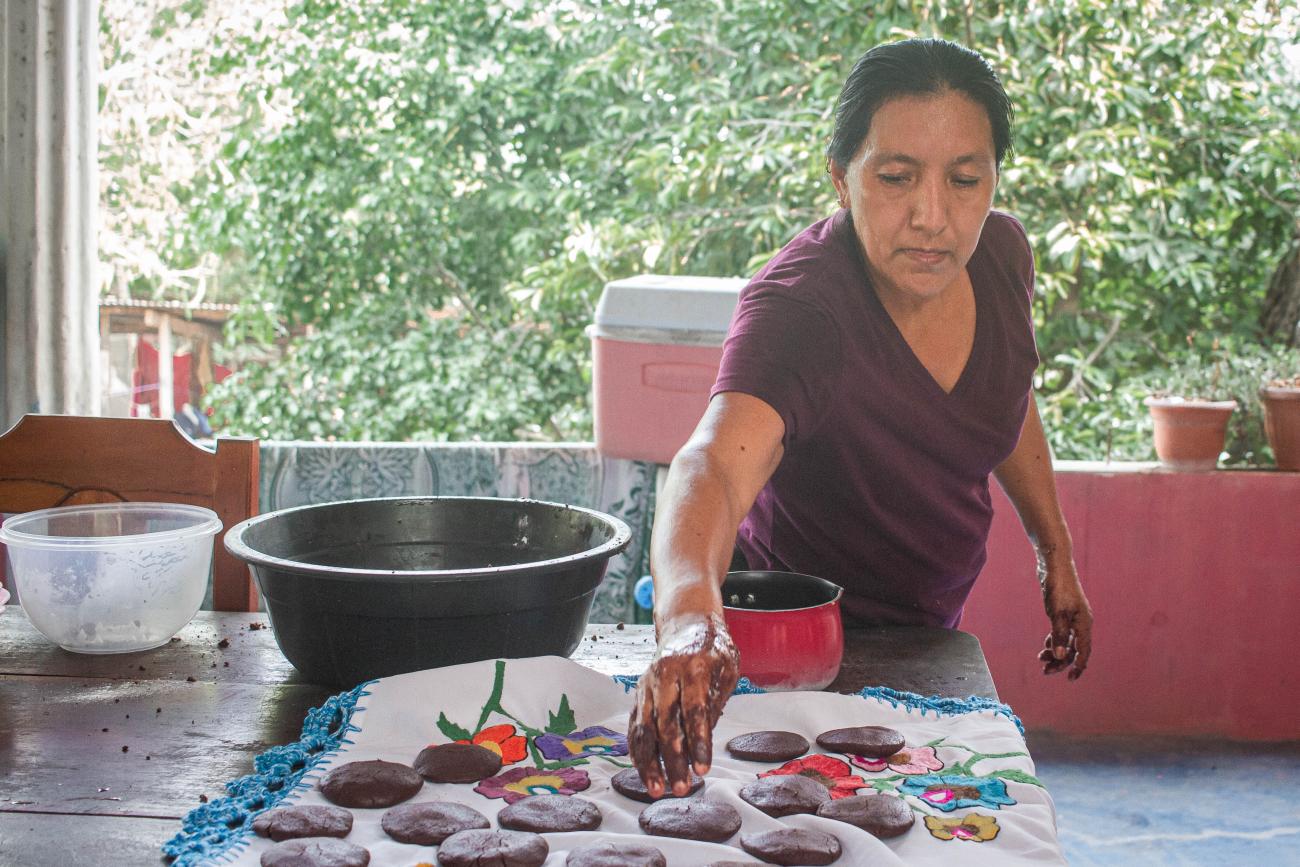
883,486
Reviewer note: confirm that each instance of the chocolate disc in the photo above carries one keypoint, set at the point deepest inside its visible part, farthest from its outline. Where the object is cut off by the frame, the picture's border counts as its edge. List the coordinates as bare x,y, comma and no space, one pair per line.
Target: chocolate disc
456,763
309,820
621,854
502,848
768,746
429,823
543,814
370,784
792,846
691,819
785,794
628,784
883,816
315,852
874,742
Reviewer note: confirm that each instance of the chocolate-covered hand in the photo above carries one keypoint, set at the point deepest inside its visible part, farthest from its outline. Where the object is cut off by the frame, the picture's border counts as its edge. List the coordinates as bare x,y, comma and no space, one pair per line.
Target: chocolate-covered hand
1069,644
679,700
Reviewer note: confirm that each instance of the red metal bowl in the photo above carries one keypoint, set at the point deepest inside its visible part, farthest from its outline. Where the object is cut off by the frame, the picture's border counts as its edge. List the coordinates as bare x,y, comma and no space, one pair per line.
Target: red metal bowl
786,626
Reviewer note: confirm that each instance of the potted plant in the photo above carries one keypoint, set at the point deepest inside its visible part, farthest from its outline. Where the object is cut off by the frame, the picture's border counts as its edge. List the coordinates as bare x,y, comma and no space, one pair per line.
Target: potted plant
1190,409
1193,399
1280,397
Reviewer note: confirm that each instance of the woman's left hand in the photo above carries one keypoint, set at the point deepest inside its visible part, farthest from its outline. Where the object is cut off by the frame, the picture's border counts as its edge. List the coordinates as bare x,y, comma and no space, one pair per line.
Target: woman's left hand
1069,644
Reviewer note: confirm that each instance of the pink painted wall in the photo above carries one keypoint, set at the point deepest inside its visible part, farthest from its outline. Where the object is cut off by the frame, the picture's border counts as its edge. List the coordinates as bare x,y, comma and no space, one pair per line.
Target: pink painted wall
1194,579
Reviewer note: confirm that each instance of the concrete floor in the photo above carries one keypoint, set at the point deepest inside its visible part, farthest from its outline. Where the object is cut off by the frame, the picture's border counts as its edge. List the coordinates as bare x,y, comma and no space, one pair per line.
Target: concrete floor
1172,801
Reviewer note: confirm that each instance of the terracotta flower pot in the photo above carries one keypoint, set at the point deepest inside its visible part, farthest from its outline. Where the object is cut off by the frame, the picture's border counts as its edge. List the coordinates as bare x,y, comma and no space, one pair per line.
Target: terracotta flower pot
1282,424
1190,433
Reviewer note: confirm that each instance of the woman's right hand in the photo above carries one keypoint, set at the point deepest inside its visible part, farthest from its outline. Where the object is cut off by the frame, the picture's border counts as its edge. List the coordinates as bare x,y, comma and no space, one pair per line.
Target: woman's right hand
679,700
710,487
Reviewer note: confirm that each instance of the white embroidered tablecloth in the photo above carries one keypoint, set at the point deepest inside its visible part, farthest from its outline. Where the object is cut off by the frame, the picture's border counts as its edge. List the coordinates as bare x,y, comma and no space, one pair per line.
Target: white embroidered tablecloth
561,727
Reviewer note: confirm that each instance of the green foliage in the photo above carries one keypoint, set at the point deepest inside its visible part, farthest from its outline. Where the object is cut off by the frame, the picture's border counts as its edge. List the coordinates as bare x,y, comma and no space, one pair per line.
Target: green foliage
1157,177
437,191
351,379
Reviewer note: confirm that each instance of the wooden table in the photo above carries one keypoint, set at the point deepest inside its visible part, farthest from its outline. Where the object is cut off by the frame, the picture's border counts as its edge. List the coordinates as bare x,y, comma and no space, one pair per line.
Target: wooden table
100,756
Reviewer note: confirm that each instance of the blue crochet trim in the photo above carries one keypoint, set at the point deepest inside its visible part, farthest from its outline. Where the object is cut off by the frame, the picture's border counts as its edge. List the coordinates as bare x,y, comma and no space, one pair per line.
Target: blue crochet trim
910,700
223,827
940,705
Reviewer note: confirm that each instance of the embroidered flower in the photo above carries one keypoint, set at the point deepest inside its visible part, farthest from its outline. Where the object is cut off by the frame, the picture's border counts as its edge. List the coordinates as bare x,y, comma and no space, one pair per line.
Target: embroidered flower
835,774
593,741
973,827
951,793
502,740
519,783
913,760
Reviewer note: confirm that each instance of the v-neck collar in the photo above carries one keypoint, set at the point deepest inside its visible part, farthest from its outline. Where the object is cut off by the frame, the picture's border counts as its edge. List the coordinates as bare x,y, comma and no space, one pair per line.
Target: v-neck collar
919,370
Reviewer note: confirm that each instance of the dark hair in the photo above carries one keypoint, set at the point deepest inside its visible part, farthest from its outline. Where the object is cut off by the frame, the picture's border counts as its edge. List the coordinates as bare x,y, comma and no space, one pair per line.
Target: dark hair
912,67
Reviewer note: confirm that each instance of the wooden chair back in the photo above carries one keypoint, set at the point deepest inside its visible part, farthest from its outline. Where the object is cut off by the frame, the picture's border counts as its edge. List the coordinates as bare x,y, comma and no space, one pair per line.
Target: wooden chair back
62,460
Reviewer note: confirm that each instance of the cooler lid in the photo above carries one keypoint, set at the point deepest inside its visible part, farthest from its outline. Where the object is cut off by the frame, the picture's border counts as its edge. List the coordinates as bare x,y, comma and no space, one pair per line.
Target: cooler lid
678,303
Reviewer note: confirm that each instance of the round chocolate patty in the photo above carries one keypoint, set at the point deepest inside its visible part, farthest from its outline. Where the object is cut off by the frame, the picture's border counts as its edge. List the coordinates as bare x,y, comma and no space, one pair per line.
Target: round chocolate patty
308,820
792,846
628,784
874,742
768,746
785,794
882,815
691,819
428,824
456,763
370,784
610,854
543,814
315,852
503,848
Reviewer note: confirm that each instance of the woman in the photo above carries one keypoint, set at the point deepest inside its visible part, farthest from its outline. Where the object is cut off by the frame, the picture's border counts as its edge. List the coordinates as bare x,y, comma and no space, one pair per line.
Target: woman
877,370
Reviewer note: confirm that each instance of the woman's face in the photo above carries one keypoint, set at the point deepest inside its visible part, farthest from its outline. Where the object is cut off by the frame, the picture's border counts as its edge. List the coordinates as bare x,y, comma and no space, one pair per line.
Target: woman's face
919,189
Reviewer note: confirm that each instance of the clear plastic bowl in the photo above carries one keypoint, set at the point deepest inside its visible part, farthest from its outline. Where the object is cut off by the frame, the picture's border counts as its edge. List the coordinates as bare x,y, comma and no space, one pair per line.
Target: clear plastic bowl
111,578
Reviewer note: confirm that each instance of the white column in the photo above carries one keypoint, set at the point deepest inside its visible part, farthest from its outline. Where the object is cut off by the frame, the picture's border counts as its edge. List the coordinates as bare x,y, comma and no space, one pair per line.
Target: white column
49,291
166,360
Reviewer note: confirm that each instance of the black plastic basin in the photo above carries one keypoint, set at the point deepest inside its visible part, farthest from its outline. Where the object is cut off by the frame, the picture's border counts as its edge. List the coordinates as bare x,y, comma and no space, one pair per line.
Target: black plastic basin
368,588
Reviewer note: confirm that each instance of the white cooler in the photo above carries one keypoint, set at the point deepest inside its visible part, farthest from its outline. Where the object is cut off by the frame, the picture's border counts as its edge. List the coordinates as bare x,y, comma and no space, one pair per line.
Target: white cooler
656,345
